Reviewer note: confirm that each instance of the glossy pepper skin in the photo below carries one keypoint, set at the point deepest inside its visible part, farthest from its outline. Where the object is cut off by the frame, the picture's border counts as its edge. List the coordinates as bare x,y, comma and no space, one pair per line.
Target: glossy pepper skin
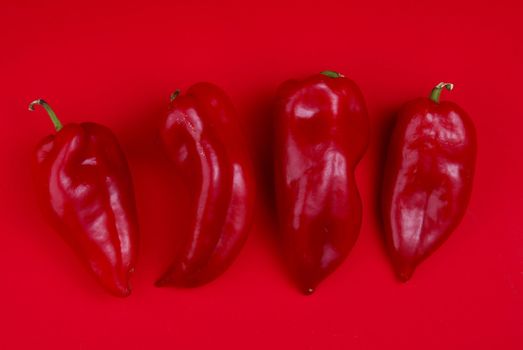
202,136
322,132
85,188
428,178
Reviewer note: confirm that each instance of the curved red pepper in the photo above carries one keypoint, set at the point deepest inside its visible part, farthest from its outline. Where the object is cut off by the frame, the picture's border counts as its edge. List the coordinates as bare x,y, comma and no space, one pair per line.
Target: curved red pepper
322,132
203,138
85,186
428,178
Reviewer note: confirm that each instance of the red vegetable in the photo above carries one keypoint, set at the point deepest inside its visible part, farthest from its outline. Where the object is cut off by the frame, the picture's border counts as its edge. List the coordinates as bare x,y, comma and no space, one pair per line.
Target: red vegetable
428,178
203,138
322,132
86,190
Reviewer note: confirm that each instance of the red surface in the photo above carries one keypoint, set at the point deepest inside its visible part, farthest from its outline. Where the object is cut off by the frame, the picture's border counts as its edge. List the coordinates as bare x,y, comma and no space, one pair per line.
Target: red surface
116,64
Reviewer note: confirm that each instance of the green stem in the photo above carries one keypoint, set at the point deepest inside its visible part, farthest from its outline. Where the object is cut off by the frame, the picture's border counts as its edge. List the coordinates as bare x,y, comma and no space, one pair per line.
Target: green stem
56,122
436,92
332,74
175,94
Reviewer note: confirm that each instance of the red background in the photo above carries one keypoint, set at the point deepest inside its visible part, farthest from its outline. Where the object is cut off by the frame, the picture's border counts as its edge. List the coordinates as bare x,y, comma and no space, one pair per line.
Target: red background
116,63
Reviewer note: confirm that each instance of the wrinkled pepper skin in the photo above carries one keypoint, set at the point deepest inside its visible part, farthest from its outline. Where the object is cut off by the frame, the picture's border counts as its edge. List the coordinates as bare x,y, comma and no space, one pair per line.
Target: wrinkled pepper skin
322,132
202,136
86,190
427,180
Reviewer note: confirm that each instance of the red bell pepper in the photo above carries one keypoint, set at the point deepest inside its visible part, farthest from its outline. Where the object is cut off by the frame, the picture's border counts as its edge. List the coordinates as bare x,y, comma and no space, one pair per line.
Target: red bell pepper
322,132
85,187
428,178
202,137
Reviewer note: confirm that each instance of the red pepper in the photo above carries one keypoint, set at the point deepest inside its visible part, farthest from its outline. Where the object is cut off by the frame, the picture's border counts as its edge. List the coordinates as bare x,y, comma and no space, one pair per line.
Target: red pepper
202,137
322,132
428,178
86,190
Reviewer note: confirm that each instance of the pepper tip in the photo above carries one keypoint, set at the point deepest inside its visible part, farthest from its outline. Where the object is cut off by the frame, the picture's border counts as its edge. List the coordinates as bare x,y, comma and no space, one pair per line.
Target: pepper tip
306,290
163,281
404,273
122,291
